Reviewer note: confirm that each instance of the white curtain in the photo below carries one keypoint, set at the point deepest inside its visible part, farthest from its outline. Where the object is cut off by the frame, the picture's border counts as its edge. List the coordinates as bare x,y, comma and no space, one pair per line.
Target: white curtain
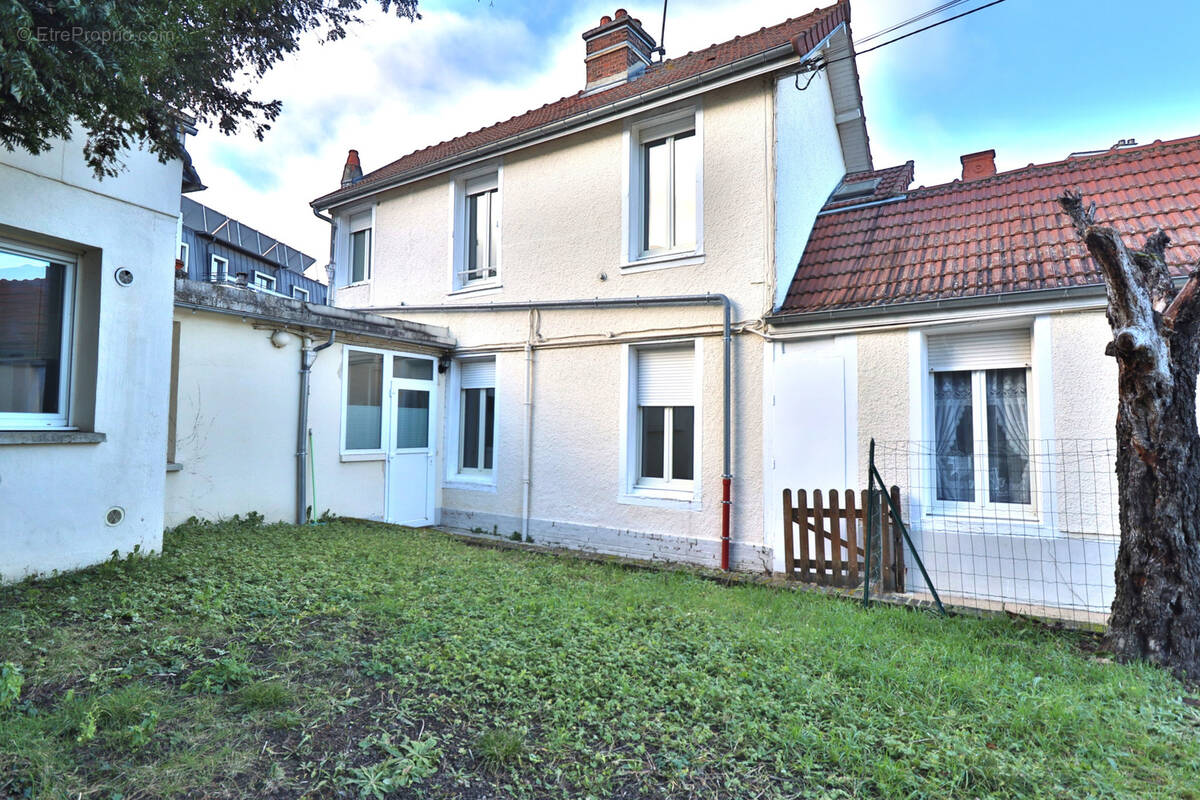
955,442
1008,436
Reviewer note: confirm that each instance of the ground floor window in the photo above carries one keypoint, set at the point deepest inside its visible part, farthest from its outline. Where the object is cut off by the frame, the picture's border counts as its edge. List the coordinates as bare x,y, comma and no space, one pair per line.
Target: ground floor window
36,314
981,431
477,416
665,417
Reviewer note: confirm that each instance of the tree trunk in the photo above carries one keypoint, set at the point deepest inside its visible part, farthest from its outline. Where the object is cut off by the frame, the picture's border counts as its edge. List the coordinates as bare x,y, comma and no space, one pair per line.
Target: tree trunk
1156,341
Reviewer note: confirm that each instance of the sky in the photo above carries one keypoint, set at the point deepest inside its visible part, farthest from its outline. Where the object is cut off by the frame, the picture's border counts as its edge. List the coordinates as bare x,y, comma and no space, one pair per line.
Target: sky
1032,79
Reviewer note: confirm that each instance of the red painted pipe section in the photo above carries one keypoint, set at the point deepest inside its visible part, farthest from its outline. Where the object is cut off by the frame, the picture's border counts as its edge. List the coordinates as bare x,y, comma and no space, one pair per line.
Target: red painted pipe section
725,504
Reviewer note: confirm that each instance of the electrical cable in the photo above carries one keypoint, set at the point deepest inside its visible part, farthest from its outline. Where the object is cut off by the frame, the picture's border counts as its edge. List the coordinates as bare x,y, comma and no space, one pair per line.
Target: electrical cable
815,65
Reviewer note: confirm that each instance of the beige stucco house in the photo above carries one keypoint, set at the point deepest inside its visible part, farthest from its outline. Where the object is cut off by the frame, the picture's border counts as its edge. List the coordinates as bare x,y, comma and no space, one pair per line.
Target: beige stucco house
585,256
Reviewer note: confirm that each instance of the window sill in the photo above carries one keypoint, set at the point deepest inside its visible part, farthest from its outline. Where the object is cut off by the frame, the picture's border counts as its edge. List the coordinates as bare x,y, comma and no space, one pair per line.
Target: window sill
465,483
362,457
665,261
51,437
482,288
367,282
661,498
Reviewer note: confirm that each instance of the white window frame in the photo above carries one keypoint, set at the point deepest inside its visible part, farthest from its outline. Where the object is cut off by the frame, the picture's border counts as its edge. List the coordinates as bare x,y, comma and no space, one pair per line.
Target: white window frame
635,490
269,278
370,453
356,219
485,178
61,420
184,254
302,291
215,274
678,120
456,477
1038,516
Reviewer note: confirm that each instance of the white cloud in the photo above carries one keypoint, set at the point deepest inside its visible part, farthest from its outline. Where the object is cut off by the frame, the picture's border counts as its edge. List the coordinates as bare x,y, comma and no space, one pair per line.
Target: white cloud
392,87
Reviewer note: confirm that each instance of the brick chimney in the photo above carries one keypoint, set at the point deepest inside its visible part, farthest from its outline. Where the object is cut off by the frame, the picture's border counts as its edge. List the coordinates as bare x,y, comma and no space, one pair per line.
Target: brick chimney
618,49
978,165
352,172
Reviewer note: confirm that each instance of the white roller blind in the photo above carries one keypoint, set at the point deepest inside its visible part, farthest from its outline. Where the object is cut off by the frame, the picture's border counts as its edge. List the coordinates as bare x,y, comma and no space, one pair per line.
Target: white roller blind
477,374
981,350
665,376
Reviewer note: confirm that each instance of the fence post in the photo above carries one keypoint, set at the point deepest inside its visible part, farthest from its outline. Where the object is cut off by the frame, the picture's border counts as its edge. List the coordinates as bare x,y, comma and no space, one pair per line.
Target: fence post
898,547
789,563
871,506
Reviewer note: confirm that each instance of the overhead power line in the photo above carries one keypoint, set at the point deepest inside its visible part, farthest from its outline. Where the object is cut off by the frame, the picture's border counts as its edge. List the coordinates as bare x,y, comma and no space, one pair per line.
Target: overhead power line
814,65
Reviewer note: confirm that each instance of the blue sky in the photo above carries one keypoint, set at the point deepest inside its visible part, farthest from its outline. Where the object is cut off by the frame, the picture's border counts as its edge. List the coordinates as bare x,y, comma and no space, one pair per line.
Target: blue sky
1034,79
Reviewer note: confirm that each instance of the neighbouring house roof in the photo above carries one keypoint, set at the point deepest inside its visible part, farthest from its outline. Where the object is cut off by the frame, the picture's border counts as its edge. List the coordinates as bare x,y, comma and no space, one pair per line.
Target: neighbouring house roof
685,71
996,235
225,229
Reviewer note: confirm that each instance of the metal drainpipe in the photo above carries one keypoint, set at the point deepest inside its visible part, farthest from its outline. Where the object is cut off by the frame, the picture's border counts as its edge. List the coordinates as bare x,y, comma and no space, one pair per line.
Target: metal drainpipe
633,302
527,468
330,268
308,356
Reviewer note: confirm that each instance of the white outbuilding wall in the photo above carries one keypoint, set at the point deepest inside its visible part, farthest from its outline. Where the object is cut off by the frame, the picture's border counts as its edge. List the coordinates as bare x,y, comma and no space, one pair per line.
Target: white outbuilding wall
57,494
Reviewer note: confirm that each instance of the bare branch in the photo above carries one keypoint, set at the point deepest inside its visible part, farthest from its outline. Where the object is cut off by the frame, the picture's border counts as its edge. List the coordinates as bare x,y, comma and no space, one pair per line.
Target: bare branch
1183,308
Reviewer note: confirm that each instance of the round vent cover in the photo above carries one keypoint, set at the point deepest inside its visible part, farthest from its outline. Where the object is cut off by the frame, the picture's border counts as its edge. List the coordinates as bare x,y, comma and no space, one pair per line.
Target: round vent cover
124,276
114,516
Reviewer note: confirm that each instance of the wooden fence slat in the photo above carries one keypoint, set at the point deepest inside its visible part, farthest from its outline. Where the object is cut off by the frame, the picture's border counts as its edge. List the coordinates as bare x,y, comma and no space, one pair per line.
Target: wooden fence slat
819,537
852,517
898,569
802,515
789,565
835,539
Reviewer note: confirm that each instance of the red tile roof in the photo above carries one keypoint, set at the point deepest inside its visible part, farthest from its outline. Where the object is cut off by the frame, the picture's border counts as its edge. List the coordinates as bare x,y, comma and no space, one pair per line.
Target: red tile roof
1000,234
810,29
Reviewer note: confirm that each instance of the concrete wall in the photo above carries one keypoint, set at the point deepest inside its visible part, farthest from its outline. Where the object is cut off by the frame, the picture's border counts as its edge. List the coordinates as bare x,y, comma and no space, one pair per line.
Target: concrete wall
562,238
56,496
236,426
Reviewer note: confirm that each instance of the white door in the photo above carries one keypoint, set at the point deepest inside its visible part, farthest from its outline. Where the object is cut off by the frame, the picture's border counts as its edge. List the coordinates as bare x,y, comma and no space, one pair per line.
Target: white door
412,400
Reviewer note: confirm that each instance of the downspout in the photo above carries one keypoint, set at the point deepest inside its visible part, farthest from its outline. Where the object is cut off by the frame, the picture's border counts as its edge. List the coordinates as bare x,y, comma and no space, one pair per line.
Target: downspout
308,356
628,302
331,267
527,432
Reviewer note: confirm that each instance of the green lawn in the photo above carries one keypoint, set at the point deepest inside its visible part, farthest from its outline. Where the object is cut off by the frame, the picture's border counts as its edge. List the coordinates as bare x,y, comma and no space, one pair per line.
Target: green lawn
349,660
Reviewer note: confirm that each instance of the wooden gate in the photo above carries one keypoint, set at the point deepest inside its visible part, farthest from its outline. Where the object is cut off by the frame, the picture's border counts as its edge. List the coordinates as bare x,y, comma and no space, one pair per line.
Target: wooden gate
824,542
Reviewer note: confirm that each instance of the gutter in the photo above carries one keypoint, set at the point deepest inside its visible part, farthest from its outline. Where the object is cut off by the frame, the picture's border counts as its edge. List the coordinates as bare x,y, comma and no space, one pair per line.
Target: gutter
805,318
578,121
631,302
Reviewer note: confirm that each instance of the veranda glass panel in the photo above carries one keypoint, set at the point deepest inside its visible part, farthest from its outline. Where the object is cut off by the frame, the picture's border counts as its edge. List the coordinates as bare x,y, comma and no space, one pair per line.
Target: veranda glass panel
682,443
364,401
420,369
686,157
31,327
1008,436
412,418
656,219
653,423
955,445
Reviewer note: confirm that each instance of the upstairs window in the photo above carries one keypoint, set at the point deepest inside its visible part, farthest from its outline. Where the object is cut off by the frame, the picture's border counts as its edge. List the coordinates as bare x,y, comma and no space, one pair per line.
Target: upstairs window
36,312
361,245
478,235
981,418
300,293
264,281
664,187
665,417
218,269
